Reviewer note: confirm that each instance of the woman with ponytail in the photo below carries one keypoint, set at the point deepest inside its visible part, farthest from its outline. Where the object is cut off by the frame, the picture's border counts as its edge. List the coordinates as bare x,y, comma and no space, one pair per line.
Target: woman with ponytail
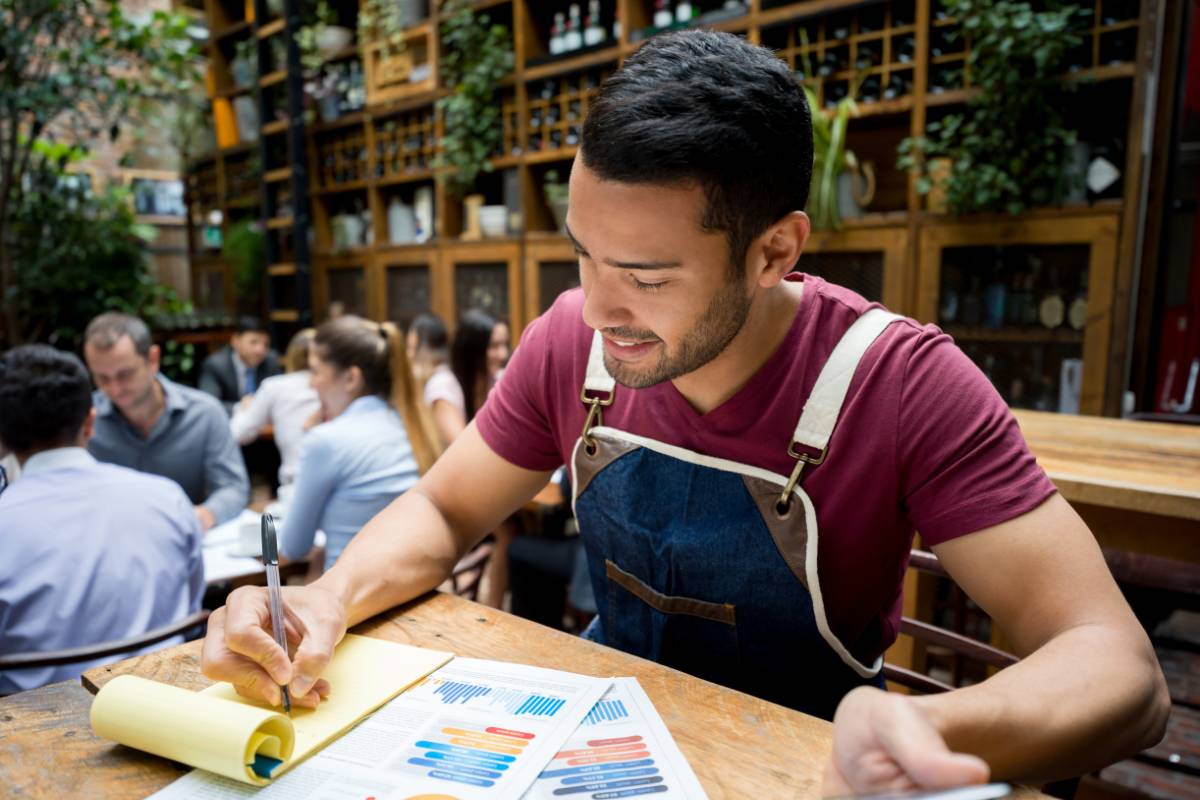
376,440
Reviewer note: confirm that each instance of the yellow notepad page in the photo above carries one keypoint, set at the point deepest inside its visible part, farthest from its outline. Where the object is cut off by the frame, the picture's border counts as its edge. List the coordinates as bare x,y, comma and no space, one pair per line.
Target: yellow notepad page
219,731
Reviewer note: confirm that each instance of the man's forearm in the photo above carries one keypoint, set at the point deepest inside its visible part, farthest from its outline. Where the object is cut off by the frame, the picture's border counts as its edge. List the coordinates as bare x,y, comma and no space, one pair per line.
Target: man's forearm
227,502
1088,697
403,552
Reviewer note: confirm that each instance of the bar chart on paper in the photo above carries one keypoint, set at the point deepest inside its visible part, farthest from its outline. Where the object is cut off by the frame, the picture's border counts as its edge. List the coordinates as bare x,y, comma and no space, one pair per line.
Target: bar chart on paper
621,750
512,701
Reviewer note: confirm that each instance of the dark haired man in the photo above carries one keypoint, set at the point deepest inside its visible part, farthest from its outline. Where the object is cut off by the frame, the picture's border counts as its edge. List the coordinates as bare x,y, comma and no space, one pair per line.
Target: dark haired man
751,450
152,424
234,373
92,552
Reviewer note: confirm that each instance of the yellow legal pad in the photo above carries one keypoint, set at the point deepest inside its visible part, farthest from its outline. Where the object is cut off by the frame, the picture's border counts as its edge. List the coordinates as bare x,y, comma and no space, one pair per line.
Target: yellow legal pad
219,731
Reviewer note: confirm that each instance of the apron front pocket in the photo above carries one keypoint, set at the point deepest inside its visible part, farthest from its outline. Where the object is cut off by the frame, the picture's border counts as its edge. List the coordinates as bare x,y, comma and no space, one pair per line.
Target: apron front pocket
695,636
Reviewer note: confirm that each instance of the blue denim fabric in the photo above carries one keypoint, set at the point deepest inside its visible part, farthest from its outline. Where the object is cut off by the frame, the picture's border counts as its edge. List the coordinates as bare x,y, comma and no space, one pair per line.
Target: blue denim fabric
691,531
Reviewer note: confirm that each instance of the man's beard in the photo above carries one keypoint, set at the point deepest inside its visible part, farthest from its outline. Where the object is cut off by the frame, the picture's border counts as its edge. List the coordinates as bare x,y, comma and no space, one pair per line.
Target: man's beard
717,326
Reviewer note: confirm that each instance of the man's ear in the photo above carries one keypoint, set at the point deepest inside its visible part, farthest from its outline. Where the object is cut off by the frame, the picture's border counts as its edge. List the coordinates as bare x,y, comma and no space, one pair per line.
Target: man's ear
89,428
774,254
153,358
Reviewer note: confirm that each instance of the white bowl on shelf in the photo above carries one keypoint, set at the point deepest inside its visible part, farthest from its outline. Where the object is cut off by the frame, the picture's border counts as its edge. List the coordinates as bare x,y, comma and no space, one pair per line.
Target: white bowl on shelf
493,221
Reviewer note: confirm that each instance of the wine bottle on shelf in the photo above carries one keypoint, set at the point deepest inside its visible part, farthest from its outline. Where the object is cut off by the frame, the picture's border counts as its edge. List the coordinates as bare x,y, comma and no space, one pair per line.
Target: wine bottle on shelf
535,119
869,91
549,89
593,32
971,308
948,307
839,29
556,34
906,48
573,136
573,38
1018,299
897,86
995,295
867,56
829,65
683,12
870,19
616,28
662,14
835,91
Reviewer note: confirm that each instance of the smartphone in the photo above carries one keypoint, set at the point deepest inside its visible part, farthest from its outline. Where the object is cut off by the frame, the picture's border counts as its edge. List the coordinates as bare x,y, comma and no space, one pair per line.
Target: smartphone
989,791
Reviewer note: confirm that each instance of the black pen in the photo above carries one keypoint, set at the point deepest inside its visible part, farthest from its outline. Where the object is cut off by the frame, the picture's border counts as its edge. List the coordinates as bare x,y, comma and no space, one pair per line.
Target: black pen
270,549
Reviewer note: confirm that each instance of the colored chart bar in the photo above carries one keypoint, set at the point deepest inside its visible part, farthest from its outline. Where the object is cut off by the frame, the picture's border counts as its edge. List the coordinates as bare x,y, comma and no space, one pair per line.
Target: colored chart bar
605,711
591,770
538,706
609,785
453,692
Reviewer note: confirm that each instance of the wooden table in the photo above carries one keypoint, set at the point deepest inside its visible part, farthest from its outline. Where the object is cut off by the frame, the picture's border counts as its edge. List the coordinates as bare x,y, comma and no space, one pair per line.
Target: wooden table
739,746
1136,484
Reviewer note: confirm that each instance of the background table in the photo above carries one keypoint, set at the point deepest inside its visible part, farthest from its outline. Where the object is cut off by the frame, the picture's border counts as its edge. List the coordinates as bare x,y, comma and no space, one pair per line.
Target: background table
739,746
1136,484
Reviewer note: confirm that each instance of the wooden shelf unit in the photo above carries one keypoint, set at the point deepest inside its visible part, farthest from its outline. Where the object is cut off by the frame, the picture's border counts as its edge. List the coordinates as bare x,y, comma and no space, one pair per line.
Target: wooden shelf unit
252,177
359,162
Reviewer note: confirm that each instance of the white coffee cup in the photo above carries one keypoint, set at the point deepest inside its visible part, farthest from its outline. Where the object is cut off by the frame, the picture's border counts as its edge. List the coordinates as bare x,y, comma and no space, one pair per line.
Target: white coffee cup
249,542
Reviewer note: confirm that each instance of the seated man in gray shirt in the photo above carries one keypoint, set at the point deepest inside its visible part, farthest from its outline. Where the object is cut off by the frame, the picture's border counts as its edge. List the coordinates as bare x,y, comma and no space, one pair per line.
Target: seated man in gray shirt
152,424
92,552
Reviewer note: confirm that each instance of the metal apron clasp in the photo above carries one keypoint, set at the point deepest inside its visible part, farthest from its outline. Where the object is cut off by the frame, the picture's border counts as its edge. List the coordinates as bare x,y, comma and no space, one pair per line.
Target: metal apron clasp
784,504
595,417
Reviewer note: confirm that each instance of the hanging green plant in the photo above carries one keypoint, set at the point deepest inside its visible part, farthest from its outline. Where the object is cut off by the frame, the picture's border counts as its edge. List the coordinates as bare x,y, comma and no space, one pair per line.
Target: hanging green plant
245,249
476,56
383,21
317,18
1008,151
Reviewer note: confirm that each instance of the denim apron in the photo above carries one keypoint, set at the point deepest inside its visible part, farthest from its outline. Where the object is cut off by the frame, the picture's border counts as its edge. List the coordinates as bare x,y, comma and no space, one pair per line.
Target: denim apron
710,566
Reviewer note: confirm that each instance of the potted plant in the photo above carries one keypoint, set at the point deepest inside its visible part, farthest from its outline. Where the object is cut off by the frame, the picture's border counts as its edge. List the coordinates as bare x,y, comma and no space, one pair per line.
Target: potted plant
476,55
555,192
319,39
833,193
245,249
1009,149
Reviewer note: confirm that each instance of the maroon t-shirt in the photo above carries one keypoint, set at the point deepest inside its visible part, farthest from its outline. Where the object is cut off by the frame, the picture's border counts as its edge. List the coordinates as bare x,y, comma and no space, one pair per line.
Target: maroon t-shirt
924,442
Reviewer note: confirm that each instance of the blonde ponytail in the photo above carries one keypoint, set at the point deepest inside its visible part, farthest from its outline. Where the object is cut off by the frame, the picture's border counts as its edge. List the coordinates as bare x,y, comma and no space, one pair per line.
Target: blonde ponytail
405,397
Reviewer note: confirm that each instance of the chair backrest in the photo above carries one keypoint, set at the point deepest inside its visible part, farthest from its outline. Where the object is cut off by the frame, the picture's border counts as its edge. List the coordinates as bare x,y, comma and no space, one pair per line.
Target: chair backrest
74,655
927,562
468,572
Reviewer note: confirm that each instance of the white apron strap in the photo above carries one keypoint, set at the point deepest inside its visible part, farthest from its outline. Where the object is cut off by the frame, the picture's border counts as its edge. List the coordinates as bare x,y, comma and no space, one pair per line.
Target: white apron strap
824,405
598,380
598,390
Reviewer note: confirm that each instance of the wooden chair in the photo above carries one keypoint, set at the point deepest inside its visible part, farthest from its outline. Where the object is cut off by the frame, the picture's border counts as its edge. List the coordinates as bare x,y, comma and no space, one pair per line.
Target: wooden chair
933,635
75,655
468,572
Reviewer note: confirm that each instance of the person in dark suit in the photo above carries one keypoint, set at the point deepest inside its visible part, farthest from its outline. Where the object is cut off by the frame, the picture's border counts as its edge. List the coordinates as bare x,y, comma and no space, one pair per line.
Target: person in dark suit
237,371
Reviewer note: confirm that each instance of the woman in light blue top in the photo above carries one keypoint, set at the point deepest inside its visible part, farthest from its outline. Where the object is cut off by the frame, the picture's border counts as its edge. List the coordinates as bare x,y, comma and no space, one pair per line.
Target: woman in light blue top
375,443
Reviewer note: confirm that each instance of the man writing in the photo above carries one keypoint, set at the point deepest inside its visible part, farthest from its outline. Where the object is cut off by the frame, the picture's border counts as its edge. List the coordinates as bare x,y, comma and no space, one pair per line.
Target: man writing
751,451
